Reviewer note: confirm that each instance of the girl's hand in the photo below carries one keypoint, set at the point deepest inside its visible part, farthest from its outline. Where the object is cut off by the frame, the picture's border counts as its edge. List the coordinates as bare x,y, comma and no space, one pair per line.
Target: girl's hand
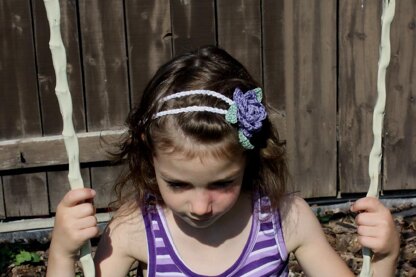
75,222
376,228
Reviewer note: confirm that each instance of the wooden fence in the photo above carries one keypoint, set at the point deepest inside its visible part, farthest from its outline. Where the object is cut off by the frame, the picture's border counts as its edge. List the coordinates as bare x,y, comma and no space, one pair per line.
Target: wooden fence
317,61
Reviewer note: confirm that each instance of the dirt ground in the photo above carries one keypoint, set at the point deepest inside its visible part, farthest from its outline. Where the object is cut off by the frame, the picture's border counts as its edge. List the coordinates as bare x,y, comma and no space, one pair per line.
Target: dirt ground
338,226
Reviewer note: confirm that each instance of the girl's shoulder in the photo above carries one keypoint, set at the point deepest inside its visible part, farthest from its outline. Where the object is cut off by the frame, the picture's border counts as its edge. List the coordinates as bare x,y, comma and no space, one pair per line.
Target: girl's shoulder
124,237
304,237
297,217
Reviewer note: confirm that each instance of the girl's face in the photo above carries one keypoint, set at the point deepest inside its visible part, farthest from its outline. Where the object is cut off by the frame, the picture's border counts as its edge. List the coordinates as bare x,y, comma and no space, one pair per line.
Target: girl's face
199,190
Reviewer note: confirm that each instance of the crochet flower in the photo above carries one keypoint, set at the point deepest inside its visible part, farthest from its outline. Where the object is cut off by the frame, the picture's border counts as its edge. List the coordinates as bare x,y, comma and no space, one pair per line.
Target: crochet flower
249,112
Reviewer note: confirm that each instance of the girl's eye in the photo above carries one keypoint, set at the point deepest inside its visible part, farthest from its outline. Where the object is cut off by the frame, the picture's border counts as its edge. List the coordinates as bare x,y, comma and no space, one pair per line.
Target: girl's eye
222,185
177,185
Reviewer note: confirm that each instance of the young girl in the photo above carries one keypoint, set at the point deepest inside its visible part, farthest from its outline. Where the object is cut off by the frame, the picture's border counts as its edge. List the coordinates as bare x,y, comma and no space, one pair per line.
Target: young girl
204,193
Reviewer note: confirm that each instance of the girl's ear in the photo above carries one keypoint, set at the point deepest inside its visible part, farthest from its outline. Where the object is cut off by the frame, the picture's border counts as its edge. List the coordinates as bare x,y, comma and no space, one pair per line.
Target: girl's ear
142,136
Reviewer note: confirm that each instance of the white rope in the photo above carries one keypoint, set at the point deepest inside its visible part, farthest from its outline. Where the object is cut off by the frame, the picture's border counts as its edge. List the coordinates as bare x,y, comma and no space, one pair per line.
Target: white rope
65,105
374,164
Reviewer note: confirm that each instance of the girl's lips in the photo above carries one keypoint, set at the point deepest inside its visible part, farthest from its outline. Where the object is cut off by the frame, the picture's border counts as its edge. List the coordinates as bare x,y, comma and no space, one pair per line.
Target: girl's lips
201,219
201,222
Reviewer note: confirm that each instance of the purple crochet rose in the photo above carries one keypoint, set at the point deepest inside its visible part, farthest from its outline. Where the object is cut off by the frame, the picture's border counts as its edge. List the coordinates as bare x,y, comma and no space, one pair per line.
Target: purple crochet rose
250,111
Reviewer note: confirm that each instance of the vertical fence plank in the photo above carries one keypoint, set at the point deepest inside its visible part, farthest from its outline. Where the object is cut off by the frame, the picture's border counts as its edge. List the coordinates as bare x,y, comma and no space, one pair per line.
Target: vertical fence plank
105,63
400,117
58,185
105,66
359,35
102,180
149,38
19,106
273,53
310,85
51,117
2,211
26,195
239,32
193,24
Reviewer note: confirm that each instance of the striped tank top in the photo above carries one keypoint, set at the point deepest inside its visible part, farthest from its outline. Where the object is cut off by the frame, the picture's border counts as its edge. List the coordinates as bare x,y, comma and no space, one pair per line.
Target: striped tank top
264,253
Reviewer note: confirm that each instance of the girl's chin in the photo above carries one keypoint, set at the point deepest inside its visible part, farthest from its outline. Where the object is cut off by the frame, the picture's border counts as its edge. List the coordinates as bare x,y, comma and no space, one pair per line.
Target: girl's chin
199,223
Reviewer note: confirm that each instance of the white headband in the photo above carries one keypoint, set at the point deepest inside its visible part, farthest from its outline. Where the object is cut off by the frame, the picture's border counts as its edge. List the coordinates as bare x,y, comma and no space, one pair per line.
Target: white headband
245,109
194,108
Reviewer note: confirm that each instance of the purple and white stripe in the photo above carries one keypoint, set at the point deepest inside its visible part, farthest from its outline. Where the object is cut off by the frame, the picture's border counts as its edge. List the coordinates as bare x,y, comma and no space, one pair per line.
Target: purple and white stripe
264,254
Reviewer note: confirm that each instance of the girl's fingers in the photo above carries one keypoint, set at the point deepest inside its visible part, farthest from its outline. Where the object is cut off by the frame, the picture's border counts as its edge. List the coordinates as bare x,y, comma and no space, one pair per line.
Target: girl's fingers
76,196
84,235
80,231
368,204
367,219
86,222
88,233
83,210
380,246
368,231
375,226
370,242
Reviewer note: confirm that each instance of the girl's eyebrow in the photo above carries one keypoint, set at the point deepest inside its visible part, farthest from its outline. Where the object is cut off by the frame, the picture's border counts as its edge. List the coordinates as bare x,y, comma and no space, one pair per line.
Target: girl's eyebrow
222,180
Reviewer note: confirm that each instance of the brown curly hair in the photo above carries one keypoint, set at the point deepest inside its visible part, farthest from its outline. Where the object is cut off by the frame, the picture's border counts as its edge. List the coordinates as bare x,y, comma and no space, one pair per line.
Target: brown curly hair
209,68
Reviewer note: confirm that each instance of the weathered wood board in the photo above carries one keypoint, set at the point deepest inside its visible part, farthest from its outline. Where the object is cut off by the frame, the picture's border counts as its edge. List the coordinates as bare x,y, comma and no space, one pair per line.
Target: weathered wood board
19,104
310,87
2,210
105,64
359,35
239,32
193,24
149,41
26,195
45,151
273,53
400,118
58,185
103,180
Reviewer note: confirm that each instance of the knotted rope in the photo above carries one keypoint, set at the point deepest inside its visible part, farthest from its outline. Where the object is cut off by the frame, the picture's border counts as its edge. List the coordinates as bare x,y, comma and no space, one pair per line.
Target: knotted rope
65,105
374,164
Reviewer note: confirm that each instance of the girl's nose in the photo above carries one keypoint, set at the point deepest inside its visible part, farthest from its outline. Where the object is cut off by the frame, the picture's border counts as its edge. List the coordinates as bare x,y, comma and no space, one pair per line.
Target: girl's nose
201,204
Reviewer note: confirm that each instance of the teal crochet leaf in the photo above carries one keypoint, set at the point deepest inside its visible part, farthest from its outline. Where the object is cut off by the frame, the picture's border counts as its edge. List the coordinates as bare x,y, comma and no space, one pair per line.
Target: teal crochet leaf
259,94
231,115
244,141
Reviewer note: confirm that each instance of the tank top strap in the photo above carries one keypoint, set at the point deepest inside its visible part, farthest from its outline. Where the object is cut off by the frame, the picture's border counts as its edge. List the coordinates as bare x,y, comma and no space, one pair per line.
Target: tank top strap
148,214
270,216
277,223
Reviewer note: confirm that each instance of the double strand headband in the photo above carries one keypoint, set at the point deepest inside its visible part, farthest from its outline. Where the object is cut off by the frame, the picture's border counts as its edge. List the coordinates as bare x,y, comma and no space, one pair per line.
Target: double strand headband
246,110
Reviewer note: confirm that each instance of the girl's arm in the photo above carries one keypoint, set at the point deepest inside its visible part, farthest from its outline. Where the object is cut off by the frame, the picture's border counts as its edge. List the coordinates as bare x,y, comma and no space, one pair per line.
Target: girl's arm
375,229
75,223
122,243
305,238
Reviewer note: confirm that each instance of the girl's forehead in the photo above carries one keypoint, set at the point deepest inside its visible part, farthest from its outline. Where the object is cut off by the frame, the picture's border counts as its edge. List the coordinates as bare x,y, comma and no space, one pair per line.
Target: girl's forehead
172,140
204,165
189,150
